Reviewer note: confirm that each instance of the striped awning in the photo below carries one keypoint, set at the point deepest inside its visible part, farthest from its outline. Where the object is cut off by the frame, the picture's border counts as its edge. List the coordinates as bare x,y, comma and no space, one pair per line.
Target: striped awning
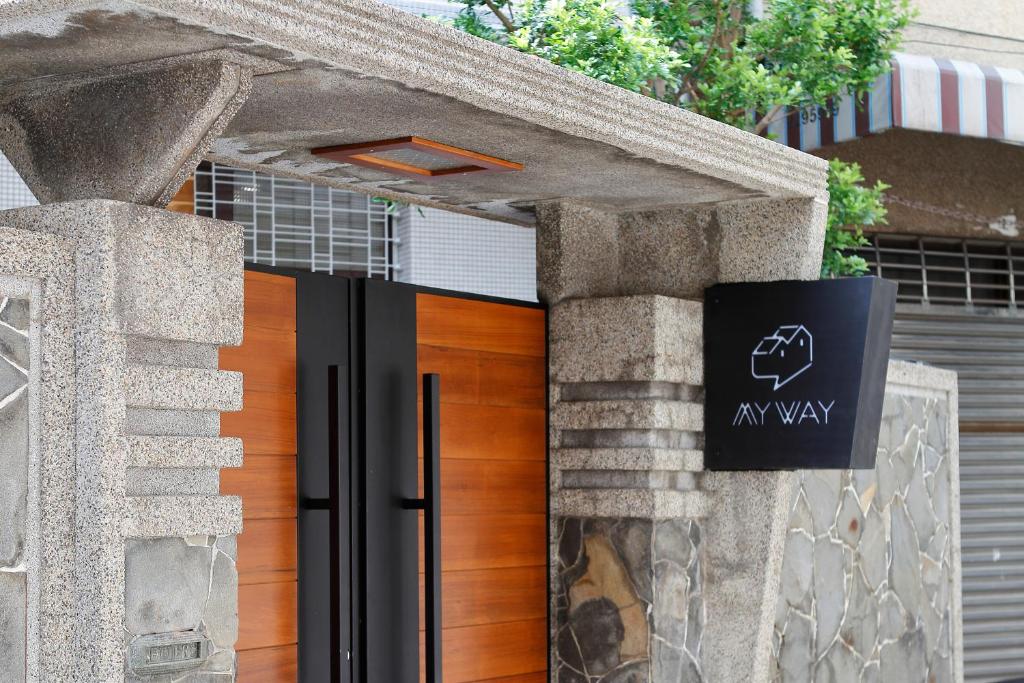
921,93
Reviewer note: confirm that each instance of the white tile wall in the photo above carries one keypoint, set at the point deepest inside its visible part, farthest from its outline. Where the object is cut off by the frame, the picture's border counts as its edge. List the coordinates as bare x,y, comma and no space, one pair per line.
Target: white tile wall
432,8
466,254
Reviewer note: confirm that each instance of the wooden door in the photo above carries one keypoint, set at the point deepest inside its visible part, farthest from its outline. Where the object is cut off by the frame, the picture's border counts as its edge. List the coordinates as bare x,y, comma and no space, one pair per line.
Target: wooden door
267,592
492,361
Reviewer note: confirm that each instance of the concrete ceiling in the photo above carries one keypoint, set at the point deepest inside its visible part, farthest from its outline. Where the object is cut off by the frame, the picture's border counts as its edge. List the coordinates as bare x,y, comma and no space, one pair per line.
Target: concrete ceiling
348,71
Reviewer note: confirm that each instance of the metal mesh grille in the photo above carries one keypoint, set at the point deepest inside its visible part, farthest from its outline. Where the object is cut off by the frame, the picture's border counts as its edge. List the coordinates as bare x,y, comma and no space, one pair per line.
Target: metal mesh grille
14,193
949,271
419,159
295,224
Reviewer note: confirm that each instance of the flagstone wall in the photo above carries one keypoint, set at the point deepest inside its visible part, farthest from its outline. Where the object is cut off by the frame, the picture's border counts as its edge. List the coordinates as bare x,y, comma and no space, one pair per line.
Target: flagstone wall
14,477
871,573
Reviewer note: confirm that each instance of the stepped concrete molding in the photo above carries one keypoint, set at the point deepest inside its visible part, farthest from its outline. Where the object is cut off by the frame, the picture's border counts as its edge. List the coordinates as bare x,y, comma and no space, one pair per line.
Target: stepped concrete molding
402,75
135,539
106,148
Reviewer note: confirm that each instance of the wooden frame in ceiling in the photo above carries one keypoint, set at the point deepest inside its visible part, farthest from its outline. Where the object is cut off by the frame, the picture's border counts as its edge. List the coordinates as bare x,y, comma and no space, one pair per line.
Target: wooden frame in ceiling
363,154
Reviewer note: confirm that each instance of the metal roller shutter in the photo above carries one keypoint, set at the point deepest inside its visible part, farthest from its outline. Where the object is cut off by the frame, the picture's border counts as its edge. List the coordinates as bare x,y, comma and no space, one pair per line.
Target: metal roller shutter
988,354
958,310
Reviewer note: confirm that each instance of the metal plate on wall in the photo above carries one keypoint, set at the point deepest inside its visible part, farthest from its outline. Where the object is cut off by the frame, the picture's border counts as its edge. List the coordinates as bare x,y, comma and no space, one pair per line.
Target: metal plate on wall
795,373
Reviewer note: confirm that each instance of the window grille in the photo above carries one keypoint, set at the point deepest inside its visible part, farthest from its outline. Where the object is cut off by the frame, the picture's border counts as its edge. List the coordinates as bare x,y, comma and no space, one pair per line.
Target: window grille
949,271
296,224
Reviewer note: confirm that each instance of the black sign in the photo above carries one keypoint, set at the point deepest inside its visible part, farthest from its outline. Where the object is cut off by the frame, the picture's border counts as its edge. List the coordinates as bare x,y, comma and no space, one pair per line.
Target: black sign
794,373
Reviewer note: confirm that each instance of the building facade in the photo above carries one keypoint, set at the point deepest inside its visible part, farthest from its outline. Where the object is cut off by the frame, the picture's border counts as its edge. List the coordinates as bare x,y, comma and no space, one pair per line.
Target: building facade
180,501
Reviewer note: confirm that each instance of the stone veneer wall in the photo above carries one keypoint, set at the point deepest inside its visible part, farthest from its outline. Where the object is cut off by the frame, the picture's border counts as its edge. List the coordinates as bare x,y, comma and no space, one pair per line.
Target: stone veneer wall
871,573
626,388
618,621
15,364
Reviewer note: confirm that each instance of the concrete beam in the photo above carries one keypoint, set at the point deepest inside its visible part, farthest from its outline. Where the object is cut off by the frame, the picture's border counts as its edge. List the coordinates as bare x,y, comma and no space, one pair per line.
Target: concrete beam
132,134
355,71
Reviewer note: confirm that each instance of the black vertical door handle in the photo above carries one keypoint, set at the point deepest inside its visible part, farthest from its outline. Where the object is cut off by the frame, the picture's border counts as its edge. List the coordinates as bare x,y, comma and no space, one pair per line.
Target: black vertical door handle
431,506
335,389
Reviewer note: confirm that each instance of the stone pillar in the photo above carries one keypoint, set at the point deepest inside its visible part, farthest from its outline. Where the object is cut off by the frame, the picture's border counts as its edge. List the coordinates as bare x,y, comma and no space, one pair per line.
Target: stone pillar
661,573
125,535
120,557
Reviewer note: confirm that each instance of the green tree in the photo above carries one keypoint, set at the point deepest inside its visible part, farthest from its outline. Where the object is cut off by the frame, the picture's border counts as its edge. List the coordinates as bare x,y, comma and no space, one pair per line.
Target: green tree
716,58
851,206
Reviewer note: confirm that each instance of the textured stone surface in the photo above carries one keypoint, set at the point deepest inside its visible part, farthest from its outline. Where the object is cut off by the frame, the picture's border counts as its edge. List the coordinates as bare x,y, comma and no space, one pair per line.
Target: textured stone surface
639,338
172,481
184,273
629,602
177,451
624,414
178,354
183,585
155,516
167,583
649,503
677,253
13,627
664,459
155,422
770,240
745,540
883,601
107,149
182,388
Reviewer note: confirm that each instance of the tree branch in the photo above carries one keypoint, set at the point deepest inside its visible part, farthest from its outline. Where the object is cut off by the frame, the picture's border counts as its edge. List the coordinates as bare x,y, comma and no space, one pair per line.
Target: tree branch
496,11
767,119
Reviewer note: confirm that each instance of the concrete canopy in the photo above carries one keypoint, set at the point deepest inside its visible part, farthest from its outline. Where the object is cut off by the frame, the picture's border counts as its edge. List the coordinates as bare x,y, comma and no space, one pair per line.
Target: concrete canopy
349,71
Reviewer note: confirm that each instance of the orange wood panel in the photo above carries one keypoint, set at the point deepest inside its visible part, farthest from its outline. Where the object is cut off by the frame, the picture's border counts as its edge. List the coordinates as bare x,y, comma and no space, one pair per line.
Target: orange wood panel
475,432
535,677
269,664
267,551
266,484
492,362
479,325
491,542
269,301
484,596
266,423
267,593
477,487
485,378
266,357
267,615
184,200
474,654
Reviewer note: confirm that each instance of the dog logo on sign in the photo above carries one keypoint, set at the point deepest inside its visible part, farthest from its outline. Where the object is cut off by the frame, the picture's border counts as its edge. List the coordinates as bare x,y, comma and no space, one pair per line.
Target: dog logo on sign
783,355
